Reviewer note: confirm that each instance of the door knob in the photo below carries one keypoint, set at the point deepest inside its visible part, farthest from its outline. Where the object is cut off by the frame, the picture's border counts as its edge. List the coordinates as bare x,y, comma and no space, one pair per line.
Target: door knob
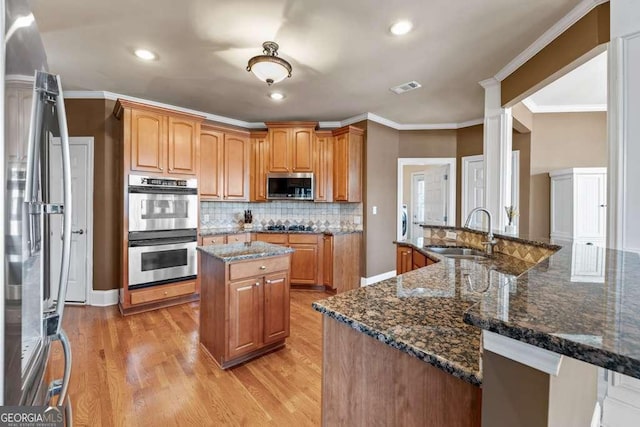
81,231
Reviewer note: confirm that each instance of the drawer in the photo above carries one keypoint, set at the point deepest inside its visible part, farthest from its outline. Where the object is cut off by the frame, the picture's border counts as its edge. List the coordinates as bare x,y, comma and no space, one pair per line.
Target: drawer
258,267
240,237
158,293
278,239
220,239
303,238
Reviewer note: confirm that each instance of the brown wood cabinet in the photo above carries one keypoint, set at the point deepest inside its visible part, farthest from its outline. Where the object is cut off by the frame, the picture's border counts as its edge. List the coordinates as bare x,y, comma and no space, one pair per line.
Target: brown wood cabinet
342,261
323,169
306,261
348,148
224,165
258,175
159,141
156,142
404,259
244,310
291,147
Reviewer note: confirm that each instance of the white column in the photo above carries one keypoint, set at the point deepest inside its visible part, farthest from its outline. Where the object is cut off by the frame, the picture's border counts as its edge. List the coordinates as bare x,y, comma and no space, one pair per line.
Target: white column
624,126
621,406
498,125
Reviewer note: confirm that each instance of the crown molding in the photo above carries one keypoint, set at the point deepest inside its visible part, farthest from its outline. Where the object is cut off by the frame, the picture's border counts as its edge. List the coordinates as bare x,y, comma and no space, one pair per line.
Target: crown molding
584,7
81,94
577,108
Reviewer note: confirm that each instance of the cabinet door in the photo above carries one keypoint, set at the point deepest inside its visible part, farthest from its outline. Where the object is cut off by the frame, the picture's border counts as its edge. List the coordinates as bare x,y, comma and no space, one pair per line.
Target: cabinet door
279,154
404,261
148,141
323,169
589,211
418,260
244,317
183,146
327,261
258,170
211,166
302,150
304,263
341,168
236,167
276,308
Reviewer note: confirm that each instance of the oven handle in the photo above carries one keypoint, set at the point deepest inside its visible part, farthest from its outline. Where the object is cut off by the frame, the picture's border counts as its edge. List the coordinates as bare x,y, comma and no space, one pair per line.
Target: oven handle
163,190
160,242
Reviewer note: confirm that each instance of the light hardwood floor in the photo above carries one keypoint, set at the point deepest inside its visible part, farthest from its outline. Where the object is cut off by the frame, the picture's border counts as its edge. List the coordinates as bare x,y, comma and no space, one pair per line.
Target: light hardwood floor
149,369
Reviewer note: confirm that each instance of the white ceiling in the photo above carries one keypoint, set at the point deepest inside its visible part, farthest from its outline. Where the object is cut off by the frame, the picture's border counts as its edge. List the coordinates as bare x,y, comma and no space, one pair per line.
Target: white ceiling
583,89
344,59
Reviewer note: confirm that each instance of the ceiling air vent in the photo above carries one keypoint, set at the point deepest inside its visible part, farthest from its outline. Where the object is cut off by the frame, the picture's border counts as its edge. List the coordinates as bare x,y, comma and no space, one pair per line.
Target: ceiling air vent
405,87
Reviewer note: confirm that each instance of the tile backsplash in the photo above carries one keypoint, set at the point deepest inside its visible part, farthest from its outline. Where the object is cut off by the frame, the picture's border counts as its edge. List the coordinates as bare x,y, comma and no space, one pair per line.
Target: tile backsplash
317,215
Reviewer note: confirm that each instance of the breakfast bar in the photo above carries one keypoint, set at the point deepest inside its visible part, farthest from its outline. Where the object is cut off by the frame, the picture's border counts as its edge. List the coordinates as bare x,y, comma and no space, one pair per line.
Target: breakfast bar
468,318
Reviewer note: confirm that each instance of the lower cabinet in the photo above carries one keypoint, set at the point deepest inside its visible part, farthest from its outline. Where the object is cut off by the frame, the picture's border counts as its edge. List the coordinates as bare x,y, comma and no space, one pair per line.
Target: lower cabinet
342,261
408,259
306,261
247,302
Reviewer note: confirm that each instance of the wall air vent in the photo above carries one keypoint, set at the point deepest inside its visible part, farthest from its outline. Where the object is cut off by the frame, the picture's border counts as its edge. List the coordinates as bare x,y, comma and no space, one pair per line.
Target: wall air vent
405,87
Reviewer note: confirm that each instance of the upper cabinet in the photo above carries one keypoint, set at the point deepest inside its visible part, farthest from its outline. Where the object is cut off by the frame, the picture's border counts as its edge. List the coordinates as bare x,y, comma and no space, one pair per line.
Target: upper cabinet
258,174
159,141
323,167
291,147
224,164
348,148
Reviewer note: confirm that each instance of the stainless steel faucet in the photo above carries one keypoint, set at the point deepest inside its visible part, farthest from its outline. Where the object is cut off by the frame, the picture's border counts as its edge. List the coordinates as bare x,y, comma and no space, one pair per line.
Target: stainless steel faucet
490,240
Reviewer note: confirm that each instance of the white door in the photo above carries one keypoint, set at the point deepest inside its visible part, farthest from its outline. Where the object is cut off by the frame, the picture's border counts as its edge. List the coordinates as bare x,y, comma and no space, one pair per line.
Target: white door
472,189
417,205
82,198
436,192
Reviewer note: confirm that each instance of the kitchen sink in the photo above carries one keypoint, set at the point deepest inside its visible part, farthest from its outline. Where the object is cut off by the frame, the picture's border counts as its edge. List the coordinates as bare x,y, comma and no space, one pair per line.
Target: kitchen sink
460,253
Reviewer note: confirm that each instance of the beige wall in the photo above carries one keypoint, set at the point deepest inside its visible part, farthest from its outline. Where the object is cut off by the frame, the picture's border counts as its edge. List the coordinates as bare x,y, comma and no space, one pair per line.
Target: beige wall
93,117
469,143
559,141
427,143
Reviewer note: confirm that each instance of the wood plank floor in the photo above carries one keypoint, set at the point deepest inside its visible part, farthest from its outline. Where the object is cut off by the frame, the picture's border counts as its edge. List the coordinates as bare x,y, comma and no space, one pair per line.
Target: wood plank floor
149,369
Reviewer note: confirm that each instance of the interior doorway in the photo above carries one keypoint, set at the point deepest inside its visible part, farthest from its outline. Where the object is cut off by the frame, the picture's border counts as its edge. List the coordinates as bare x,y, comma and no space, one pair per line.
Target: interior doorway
427,191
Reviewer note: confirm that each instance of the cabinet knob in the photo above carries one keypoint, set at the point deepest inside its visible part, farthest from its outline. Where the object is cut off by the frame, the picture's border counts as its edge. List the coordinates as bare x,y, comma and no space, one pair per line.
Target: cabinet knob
263,267
603,206
257,283
161,168
166,293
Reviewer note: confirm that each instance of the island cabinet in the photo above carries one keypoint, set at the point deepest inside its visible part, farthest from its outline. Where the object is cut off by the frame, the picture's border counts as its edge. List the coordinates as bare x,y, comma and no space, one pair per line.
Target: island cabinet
159,141
291,146
348,148
408,259
258,171
244,305
224,164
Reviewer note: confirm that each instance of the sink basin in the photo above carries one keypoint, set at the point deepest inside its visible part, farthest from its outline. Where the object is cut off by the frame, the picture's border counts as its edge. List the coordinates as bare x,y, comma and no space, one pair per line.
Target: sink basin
460,253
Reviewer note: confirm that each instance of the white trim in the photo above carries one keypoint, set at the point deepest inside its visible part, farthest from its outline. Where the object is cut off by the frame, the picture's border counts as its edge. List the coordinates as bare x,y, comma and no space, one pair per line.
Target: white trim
515,185
465,170
103,298
527,354
366,281
577,108
81,94
584,7
419,161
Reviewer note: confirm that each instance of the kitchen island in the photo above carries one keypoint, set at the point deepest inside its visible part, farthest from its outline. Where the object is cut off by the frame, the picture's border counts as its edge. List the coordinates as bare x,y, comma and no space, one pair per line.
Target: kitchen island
434,315
244,303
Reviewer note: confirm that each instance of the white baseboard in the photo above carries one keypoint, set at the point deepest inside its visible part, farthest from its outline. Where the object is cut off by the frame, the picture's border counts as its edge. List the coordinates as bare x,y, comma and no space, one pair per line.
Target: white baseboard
366,281
103,298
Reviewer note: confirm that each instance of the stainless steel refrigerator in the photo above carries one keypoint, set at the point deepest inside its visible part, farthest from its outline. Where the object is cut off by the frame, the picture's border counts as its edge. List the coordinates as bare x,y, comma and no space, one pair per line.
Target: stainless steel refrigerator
33,110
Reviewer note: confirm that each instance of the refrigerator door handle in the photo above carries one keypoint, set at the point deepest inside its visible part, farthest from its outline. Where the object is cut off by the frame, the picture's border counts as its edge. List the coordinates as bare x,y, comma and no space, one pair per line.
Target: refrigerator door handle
66,183
61,387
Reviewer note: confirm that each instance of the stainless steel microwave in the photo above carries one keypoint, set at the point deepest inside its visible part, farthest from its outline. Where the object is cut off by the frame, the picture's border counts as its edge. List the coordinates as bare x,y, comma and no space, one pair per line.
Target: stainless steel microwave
290,186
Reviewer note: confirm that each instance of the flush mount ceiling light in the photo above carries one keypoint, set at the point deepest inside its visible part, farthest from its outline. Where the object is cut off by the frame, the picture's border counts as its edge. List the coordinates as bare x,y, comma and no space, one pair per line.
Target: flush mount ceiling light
401,28
276,96
269,67
145,54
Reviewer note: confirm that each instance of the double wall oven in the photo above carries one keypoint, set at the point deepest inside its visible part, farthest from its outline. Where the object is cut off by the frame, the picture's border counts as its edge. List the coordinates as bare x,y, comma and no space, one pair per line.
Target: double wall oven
163,223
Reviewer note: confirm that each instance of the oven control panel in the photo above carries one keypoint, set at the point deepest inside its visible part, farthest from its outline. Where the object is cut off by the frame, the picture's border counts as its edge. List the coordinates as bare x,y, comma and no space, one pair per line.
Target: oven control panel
148,181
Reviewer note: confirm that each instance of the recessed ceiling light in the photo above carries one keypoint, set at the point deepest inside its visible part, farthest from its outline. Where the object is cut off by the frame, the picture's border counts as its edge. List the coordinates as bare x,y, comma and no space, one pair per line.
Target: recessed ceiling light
276,96
401,28
145,54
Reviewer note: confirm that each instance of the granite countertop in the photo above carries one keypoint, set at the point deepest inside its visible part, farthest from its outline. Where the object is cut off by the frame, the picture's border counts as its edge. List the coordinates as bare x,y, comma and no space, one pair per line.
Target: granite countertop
326,231
244,250
582,302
